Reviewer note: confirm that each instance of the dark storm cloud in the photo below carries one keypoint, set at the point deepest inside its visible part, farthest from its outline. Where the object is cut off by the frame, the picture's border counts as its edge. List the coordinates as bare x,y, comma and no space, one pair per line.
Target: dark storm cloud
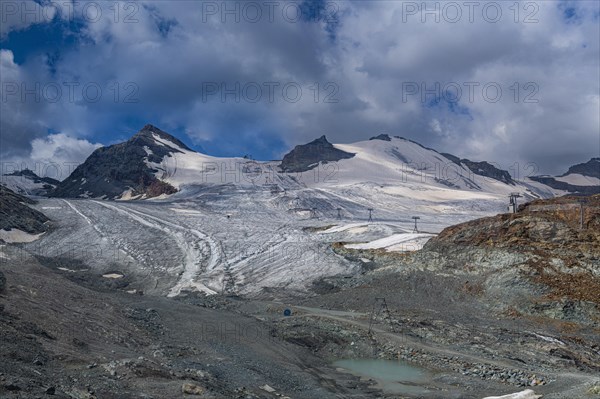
194,68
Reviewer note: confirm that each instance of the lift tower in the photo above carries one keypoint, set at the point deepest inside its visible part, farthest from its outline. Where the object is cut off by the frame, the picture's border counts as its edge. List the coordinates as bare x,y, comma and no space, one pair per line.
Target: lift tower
380,307
513,202
416,230
582,202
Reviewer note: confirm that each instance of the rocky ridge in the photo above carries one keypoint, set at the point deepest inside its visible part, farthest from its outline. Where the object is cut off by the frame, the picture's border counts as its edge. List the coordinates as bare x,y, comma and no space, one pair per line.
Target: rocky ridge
111,171
307,156
15,213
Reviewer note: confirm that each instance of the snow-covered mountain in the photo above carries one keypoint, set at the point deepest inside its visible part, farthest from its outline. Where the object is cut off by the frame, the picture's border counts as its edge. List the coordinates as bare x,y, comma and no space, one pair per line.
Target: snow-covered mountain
153,163
26,182
583,178
403,167
239,225
122,170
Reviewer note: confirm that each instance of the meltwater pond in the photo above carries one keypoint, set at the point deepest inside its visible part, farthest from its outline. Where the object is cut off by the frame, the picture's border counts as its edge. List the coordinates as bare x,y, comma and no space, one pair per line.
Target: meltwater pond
393,376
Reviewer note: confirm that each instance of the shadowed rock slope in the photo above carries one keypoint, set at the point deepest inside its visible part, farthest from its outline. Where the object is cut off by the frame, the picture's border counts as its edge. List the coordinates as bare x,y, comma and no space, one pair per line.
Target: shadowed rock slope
307,156
16,214
111,171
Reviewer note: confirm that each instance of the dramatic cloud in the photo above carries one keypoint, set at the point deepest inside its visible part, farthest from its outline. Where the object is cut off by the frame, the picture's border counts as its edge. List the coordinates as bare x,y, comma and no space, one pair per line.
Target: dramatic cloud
18,15
55,155
259,77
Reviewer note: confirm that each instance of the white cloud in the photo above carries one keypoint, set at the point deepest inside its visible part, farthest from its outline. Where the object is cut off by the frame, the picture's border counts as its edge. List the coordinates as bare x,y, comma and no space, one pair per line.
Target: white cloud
55,155
61,148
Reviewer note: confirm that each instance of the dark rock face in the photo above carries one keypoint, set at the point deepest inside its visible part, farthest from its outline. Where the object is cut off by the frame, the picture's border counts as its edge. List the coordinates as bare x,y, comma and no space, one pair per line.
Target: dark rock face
110,171
15,214
590,168
307,156
488,170
483,169
383,137
451,157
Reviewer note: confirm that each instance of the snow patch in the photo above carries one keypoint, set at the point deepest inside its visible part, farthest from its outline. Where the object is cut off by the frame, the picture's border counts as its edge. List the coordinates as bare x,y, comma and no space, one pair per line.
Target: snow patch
22,185
166,143
404,242
18,236
187,211
579,180
159,197
2,254
526,394
128,195
549,339
113,275
356,228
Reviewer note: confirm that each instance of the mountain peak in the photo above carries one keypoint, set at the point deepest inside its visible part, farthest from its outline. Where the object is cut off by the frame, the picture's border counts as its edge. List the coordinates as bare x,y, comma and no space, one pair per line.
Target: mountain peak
307,156
320,140
25,172
149,127
150,132
383,137
590,168
110,172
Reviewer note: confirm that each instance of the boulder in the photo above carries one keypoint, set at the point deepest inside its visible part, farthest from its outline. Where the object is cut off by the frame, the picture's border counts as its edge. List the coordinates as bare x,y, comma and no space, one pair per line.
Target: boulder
192,389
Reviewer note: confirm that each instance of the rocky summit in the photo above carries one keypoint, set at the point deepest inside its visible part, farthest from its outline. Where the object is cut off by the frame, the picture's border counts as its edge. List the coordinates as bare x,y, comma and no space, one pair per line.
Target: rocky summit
307,156
590,168
111,171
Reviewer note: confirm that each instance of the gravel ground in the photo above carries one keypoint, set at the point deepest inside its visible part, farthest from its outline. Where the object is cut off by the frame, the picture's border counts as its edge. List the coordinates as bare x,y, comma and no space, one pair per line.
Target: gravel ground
80,339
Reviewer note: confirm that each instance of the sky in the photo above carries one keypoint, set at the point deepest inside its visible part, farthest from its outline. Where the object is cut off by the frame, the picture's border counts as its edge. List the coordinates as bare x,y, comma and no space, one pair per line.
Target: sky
516,83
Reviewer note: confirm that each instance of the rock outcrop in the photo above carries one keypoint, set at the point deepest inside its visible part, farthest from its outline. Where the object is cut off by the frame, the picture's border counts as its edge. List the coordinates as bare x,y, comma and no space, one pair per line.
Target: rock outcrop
16,214
111,171
482,168
305,157
590,168
539,261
